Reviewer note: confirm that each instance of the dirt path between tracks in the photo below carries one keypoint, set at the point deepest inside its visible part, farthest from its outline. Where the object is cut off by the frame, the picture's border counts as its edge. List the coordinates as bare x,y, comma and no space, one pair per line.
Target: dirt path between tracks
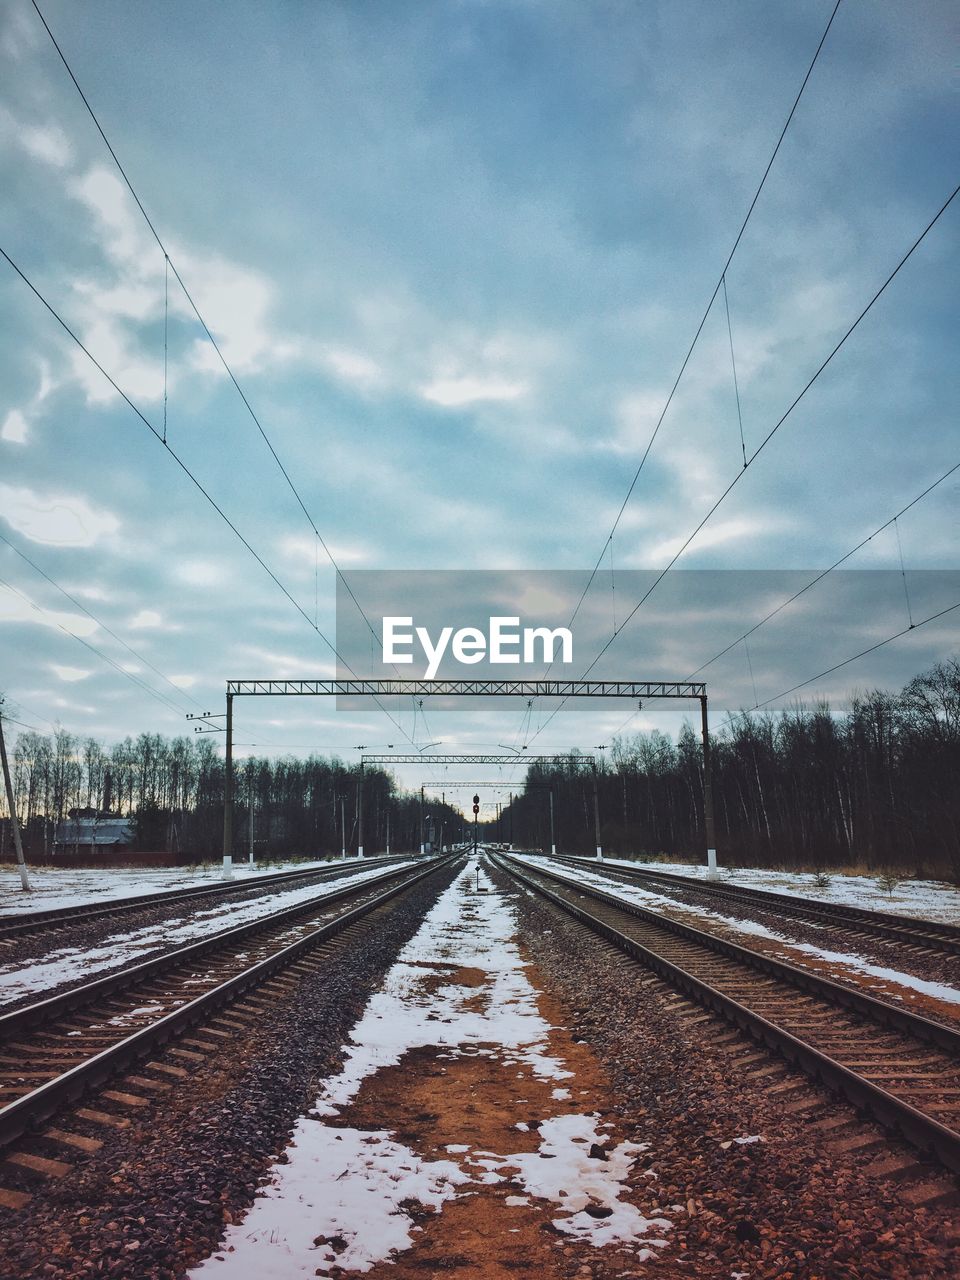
469,1134
441,1107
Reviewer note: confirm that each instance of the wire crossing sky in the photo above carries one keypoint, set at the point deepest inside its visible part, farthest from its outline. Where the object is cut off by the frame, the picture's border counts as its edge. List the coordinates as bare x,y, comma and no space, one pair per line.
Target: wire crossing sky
453,256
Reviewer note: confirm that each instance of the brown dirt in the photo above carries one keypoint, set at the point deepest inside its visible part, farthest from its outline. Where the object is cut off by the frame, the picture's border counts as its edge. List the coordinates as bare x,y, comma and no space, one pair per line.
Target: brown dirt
430,1102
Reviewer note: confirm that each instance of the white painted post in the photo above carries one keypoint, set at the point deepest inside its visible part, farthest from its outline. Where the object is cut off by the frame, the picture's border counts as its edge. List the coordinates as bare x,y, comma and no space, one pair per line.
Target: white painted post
227,866
708,821
250,805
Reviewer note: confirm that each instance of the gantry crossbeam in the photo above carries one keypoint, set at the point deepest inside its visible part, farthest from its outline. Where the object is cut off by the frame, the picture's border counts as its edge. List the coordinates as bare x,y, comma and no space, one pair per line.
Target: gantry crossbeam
472,688
642,690
520,758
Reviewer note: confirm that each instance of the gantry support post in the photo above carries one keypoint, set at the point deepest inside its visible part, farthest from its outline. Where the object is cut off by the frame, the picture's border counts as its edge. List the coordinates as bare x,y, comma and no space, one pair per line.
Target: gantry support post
360,812
596,813
228,796
712,873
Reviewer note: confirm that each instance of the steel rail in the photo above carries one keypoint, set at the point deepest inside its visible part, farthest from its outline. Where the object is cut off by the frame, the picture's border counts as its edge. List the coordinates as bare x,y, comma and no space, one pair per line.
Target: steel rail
912,930
921,1129
938,1033
76,997
18,1116
28,921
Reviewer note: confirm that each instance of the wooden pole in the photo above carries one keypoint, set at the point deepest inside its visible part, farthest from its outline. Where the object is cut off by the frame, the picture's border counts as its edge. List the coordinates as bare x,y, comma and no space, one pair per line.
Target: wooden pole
25,884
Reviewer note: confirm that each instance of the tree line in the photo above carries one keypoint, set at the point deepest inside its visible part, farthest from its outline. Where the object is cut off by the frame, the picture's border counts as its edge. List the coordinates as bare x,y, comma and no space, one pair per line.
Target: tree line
173,790
876,786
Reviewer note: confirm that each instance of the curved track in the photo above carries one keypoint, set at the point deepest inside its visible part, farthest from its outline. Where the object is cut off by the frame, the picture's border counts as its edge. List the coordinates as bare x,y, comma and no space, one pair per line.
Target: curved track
53,1051
923,935
15,926
901,1068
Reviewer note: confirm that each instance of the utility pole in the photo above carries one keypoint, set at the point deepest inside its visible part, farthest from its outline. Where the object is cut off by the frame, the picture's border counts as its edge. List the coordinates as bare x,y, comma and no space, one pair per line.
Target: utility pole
511,819
712,872
362,747
388,831
343,829
423,847
553,839
596,809
228,796
25,884
250,805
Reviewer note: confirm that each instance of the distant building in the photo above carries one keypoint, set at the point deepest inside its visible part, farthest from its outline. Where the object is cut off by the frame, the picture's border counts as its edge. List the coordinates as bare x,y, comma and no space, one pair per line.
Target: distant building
88,830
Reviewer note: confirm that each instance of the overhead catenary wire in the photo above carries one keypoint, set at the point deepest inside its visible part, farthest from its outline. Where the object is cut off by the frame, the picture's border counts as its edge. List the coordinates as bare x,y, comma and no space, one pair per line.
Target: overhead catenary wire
733,365
166,316
129,675
784,416
113,635
830,568
903,571
169,265
188,473
898,635
768,437
721,281
706,311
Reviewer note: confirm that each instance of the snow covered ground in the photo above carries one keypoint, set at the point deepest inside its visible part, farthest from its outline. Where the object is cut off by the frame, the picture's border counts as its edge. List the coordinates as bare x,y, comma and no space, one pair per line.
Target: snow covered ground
76,964
55,887
706,918
926,899
339,1183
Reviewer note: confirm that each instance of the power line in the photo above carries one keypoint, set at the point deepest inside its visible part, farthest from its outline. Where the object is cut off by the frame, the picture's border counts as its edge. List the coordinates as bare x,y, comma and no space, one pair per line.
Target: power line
706,313
782,419
805,588
914,626
155,693
188,473
820,576
83,608
23,725
721,283
765,441
169,265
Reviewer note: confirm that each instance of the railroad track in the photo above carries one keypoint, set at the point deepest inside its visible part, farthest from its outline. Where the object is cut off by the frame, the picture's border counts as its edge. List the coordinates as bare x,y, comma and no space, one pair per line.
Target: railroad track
921,936
899,1067
13,927
54,1051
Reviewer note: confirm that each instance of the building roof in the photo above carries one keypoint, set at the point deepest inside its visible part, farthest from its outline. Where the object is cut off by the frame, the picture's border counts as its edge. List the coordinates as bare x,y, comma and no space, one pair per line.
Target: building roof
95,831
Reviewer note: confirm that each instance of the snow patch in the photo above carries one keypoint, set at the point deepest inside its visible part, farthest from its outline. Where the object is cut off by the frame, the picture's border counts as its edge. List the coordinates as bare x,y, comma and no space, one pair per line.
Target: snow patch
338,1203
338,1197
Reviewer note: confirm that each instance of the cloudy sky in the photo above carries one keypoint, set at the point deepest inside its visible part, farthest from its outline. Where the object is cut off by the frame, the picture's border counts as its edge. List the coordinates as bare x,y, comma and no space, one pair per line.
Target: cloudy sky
454,254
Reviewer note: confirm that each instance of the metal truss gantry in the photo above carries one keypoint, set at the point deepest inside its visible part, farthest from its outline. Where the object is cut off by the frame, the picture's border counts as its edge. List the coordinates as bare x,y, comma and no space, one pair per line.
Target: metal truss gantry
641,690
518,758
